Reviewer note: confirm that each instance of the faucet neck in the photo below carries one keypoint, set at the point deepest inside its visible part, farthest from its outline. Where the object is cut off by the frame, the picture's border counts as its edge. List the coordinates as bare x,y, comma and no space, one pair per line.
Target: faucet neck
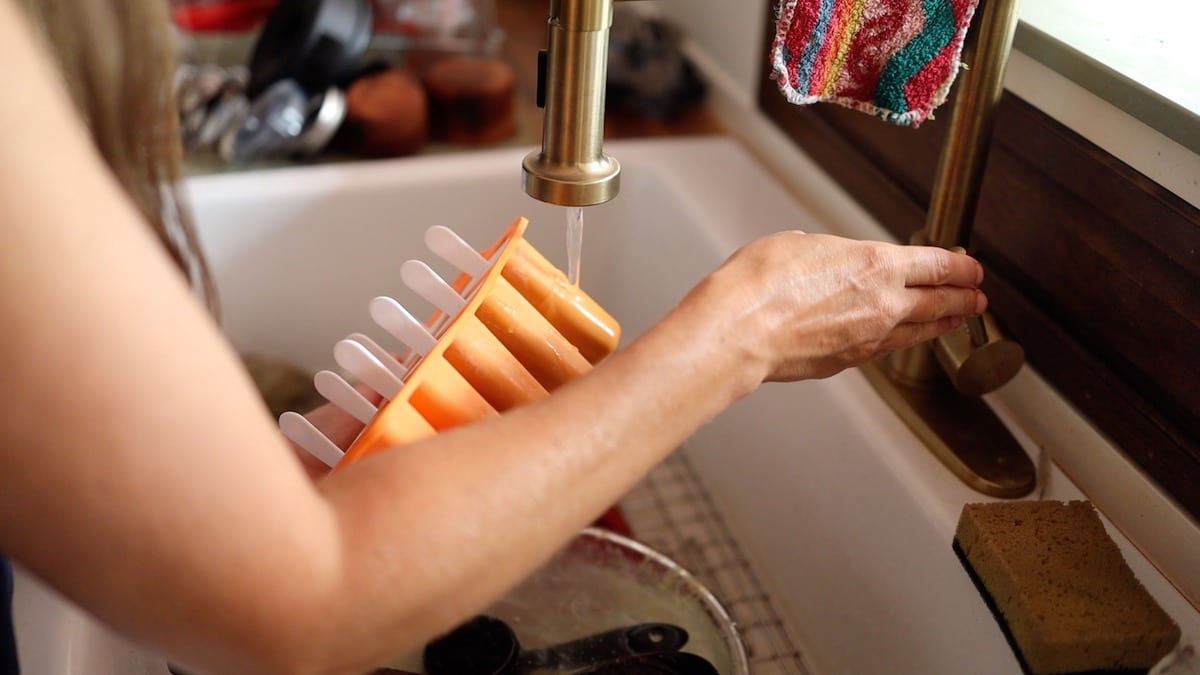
571,168
960,168
581,15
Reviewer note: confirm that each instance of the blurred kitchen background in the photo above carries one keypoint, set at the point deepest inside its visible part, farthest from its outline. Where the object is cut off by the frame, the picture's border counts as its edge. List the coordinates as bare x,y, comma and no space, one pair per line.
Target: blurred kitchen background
284,81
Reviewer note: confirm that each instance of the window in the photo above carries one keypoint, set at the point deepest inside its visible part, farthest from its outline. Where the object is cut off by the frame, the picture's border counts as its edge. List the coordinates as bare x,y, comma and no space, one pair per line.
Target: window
1137,56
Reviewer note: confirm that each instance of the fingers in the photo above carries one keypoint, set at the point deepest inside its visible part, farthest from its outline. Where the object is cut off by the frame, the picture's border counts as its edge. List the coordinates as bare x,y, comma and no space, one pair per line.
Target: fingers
942,283
933,266
942,291
908,334
930,303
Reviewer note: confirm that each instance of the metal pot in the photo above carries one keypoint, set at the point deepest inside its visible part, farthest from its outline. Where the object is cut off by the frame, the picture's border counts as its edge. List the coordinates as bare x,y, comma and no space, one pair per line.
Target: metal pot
601,581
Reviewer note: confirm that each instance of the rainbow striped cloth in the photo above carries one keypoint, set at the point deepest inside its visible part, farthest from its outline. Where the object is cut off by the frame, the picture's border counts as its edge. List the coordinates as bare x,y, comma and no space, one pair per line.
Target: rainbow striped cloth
892,58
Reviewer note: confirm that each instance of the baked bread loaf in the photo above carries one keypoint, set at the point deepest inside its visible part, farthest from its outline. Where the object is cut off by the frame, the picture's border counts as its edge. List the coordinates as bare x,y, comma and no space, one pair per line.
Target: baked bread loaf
471,99
387,115
1062,590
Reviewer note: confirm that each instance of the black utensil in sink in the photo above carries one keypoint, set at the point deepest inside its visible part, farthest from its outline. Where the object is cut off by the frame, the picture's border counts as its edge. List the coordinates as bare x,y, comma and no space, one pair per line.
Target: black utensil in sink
487,645
662,663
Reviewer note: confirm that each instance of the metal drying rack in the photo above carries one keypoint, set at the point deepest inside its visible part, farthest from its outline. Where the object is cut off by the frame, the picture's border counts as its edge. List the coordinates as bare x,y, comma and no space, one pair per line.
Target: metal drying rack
672,511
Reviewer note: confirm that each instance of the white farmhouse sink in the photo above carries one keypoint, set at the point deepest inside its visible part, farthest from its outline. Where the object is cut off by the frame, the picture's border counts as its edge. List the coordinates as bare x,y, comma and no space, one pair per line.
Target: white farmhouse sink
845,518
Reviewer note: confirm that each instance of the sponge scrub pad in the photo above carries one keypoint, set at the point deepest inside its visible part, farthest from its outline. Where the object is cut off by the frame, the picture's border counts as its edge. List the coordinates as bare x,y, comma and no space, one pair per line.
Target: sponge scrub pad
1063,592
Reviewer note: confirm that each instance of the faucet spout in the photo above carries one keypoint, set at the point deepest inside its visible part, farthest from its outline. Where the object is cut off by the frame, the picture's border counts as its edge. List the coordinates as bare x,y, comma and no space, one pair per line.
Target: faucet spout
571,168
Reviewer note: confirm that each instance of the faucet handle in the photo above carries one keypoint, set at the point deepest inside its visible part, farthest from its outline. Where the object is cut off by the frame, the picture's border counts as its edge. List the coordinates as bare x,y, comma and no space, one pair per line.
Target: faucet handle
977,357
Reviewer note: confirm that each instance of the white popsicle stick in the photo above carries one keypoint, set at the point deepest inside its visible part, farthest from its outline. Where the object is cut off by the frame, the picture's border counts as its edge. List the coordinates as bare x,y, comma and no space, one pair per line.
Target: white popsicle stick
398,369
425,282
342,394
396,320
450,247
359,362
302,432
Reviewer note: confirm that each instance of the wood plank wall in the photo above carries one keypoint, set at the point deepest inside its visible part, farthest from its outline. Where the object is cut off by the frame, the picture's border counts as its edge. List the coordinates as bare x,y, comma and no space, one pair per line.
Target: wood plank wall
1092,267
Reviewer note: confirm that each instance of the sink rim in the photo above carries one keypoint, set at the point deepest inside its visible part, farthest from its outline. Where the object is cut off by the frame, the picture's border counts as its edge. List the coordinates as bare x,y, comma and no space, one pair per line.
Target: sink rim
932,494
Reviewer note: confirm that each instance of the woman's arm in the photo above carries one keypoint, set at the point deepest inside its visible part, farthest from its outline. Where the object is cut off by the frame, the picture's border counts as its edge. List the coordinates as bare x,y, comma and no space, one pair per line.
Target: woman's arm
142,477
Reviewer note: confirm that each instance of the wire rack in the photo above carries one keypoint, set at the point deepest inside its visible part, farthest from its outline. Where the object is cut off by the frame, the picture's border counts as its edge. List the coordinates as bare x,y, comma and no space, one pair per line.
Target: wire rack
672,511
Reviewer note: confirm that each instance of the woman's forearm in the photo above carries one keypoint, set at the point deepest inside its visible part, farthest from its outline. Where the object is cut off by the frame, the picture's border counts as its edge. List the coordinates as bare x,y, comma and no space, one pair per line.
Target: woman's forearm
490,502
142,477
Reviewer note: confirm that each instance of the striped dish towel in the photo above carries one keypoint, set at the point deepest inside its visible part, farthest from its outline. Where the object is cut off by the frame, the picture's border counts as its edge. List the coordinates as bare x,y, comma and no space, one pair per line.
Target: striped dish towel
892,58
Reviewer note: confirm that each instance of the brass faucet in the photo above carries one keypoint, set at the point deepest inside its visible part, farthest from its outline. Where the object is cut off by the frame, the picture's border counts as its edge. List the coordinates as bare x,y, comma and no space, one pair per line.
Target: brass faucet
571,169
942,405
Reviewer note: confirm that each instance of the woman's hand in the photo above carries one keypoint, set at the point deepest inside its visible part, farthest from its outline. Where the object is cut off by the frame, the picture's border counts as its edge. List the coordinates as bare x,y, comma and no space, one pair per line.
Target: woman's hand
338,426
810,305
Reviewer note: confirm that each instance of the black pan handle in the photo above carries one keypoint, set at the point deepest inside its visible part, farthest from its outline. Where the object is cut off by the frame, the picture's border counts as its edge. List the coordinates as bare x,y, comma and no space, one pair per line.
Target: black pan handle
644,638
663,663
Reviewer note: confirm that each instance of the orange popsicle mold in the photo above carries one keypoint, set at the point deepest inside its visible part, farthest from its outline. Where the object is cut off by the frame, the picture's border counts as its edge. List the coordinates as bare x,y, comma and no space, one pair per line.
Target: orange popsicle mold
494,372
544,351
402,424
580,319
502,349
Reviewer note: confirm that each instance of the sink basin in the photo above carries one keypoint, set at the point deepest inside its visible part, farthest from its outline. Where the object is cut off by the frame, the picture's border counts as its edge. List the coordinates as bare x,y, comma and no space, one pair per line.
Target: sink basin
835,507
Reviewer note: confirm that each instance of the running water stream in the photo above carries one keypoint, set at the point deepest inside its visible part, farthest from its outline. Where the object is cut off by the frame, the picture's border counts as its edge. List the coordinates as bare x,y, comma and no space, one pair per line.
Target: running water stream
574,242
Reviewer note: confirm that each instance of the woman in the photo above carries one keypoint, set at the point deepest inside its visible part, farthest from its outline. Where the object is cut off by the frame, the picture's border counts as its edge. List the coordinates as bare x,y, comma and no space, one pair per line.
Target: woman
142,478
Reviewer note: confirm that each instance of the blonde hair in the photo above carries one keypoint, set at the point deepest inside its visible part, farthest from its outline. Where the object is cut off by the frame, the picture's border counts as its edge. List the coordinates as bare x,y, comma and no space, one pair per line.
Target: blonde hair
118,60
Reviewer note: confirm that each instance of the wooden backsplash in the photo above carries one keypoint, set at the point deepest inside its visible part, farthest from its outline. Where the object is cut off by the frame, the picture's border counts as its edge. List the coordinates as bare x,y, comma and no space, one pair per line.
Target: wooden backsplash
1092,267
